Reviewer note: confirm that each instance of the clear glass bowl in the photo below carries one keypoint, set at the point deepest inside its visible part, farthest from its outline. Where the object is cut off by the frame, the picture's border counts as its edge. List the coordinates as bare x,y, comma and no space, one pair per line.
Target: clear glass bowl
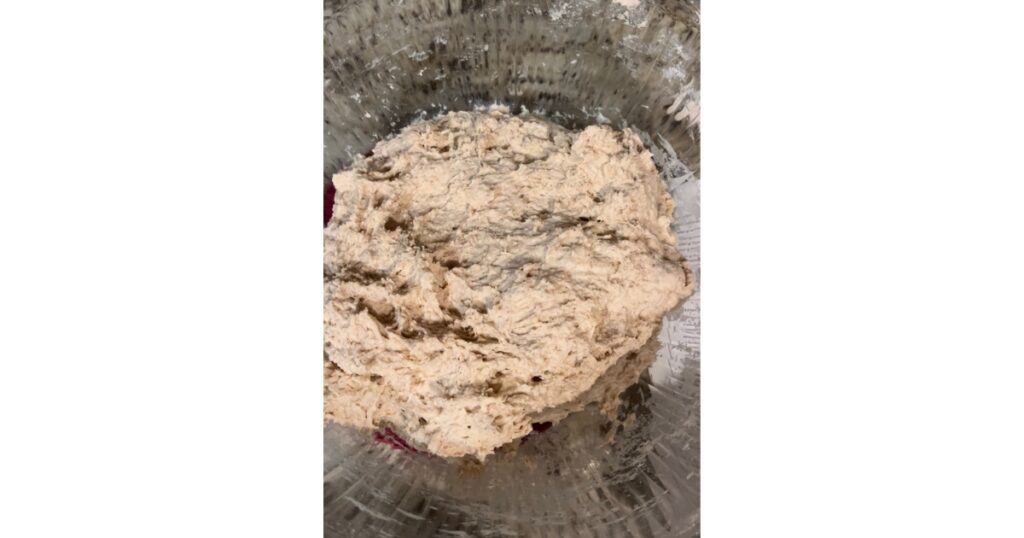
628,63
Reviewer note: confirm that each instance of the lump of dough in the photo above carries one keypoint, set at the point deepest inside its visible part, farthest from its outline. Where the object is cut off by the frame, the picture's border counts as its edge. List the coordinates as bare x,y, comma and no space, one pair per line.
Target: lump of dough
483,272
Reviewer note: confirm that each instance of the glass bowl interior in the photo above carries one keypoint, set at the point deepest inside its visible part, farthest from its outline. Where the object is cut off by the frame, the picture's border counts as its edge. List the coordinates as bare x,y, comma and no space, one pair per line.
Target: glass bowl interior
628,63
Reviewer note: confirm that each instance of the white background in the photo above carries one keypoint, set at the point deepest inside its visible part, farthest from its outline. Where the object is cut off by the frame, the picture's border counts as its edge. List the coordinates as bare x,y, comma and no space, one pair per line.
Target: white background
160,297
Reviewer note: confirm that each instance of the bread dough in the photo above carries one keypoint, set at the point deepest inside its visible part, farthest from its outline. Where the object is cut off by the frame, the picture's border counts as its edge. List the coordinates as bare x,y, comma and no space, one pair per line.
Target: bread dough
484,271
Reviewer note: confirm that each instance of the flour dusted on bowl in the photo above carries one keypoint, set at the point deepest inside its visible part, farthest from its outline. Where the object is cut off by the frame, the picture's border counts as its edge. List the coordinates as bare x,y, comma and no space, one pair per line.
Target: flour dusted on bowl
483,272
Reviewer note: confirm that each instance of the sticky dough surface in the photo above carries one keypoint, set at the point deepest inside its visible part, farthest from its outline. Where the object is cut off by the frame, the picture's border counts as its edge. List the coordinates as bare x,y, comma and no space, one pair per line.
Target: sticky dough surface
483,272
